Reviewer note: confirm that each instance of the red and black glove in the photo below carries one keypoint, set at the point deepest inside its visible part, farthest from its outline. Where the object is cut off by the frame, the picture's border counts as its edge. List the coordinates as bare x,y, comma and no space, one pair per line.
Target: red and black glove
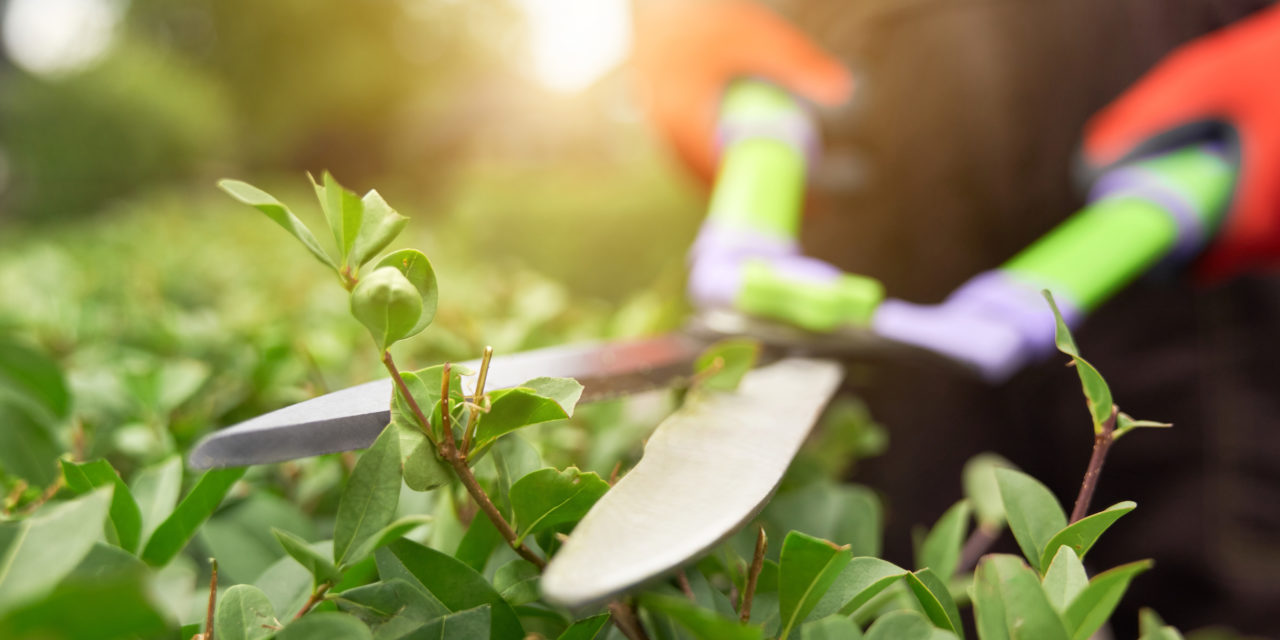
1225,84
687,51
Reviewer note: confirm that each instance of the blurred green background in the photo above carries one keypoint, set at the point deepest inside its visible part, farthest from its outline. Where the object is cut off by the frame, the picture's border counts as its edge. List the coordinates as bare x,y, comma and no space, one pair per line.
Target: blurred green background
550,210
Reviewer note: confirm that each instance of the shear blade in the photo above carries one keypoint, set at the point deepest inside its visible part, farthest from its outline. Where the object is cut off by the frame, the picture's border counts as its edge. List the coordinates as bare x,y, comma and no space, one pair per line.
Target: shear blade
706,471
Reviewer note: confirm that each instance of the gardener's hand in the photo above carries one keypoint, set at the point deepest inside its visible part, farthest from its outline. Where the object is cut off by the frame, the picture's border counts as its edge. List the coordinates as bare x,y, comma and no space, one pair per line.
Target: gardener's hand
688,50
1231,78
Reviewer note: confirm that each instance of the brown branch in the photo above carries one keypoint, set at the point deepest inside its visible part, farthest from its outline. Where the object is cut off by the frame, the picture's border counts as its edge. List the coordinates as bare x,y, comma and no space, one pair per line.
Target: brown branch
213,601
423,422
976,546
753,575
683,581
624,617
1101,445
476,400
48,494
316,597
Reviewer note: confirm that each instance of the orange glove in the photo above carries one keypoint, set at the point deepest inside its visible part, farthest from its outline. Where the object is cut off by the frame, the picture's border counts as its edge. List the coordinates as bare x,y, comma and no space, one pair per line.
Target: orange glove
686,51
1224,85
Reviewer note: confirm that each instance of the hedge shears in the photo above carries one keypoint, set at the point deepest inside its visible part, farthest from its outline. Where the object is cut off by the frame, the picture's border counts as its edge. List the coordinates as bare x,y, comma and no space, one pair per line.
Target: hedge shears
704,475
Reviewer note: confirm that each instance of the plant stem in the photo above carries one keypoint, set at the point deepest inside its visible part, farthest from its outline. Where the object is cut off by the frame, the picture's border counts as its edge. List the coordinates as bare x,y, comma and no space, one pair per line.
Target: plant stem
624,617
423,423
316,596
683,581
1101,445
48,494
213,601
976,546
753,574
476,400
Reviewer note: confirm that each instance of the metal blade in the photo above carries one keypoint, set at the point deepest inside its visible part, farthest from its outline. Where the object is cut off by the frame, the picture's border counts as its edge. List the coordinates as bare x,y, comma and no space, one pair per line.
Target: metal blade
706,471
352,418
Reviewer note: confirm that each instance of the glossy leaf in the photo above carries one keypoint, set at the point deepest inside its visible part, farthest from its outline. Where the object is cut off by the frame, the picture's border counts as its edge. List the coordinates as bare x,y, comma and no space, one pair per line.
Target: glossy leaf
936,601
842,513
385,536
905,625
381,601
342,210
417,270
860,581
835,627
807,567
319,566
156,490
387,304
126,519
470,623
586,629
722,365
1033,513
1125,423
422,469
514,409
36,553
1096,392
548,498
369,500
517,582
325,625
280,214
1008,602
1065,578
940,550
702,623
379,226
244,613
176,530
454,584
1082,534
982,491
1089,610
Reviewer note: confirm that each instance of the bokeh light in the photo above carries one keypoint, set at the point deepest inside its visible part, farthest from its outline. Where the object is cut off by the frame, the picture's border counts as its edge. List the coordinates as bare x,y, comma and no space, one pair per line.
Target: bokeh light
575,42
51,37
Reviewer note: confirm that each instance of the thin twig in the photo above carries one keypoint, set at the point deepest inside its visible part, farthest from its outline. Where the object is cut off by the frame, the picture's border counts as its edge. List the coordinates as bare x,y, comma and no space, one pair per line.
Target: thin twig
683,580
316,597
753,575
423,422
48,494
1101,445
976,546
624,617
613,475
213,601
476,400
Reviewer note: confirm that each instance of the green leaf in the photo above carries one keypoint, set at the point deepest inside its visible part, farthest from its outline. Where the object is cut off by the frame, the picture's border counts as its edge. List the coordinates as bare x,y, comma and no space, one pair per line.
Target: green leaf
1096,392
702,623
27,446
1082,534
379,602
548,498
456,585
117,605
325,625
321,569
369,500
156,490
905,625
565,391
860,581
1125,423
478,543
387,304
517,581
1033,513
1089,610
342,210
385,536
381,225
936,601
585,629
470,623
982,491
722,365
807,567
1153,628
842,513
834,627
1008,602
517,408
940,550
32,375
417,270
280,214
422,469
36,553
244,613
126,518
176,530
1065,578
